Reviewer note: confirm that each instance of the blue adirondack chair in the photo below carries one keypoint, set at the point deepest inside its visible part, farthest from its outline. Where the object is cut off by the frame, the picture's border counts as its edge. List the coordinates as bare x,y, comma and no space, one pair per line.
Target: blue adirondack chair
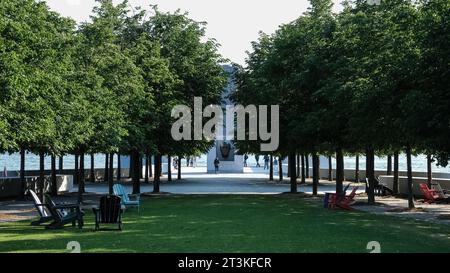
119,190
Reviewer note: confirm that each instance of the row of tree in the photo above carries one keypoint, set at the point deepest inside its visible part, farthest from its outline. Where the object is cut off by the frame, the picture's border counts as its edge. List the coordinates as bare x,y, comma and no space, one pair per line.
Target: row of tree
103,86
372,79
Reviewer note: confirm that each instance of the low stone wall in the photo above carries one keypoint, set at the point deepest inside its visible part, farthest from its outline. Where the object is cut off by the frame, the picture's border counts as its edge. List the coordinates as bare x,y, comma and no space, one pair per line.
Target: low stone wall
403,183
12,187
350,174
99,173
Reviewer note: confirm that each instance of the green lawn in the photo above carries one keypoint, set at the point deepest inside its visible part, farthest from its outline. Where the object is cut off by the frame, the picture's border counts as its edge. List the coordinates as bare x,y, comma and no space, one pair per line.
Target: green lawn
229,223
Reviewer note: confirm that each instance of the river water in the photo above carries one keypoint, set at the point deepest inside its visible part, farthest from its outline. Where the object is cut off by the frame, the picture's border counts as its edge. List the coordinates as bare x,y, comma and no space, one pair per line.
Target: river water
12,162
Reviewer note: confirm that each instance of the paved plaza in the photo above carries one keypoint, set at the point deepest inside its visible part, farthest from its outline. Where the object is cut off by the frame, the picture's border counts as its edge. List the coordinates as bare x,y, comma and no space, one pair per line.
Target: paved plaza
197,181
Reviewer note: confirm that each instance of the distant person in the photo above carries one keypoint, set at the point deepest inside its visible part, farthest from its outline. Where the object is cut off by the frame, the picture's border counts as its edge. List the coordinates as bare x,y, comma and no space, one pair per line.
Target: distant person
245,160
187,161
175,163
266,162
257,161
216,165
275,164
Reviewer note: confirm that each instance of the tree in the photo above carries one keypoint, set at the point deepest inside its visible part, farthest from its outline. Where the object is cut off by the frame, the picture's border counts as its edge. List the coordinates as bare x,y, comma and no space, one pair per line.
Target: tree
35,65
377,48
431,116
196,64
118,100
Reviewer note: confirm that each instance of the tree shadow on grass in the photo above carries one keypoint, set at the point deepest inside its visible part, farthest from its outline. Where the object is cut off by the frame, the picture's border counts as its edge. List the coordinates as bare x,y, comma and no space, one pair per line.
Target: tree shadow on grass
235,224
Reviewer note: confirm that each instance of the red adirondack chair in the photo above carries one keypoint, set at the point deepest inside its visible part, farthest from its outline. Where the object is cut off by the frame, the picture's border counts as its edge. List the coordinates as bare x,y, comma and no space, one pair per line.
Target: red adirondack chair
342,201
432,195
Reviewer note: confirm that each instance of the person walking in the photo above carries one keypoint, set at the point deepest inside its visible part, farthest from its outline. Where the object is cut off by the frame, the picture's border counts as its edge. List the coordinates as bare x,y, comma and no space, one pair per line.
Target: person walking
266,162
257,161
275,164
175,163
216,165
245,160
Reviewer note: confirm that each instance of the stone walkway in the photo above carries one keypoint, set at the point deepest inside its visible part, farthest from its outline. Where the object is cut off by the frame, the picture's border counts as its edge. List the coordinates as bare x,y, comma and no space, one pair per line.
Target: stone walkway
16,211
197,181
436,213
252,181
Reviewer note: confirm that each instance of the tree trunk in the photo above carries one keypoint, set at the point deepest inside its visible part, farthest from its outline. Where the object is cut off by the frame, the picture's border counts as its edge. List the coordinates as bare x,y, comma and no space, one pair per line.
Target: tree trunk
298,165
82,177
141,166
41,175
76,173
370,158
179,168
280,168
111,169
61,164
76,178
303,170
109,172
307,165
293,177
119,168
357,169
395,182
136,172
289,167
316,174
106,168
146,181
389,165
160,169
339,171
169,168
271,168
130,172
410,181
54,186
157,177
22,173
92,171
330,169
367,173
429,171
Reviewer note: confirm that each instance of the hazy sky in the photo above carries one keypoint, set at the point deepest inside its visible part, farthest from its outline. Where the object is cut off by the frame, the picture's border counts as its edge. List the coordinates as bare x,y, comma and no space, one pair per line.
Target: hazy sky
233,23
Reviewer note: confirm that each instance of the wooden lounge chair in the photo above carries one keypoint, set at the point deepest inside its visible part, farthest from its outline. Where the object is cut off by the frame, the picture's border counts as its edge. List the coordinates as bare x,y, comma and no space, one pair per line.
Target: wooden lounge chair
109,212
341,200
119,190
64,214
432,195
441,192
58,214
44,213
379,188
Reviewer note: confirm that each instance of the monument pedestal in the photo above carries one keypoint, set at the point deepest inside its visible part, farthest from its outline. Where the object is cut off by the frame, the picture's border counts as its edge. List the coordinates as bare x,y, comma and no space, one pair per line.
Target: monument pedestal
234,165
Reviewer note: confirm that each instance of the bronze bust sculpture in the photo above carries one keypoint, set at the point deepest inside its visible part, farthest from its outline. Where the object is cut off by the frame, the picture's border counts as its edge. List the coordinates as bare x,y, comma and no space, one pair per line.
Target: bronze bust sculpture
225,149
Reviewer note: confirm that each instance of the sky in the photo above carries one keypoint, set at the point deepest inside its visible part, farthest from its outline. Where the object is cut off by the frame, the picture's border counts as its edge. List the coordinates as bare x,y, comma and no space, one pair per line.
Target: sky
233,23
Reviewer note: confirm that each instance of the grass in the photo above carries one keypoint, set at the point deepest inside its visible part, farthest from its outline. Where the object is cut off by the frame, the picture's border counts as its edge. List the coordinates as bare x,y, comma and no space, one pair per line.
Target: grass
234,223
